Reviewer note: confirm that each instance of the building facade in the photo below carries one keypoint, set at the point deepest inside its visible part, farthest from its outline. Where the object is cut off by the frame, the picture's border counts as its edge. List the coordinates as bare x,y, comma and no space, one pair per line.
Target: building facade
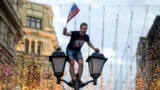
141,54
34,71
148,66
10,33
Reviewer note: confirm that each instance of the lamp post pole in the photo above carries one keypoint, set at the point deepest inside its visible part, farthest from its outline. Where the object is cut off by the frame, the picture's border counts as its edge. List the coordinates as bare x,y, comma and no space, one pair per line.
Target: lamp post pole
95,62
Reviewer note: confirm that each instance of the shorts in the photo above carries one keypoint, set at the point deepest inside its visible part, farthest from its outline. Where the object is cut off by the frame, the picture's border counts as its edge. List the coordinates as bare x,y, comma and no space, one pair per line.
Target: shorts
73,54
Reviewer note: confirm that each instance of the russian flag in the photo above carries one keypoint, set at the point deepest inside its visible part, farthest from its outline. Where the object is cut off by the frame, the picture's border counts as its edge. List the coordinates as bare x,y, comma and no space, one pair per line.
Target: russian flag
73,12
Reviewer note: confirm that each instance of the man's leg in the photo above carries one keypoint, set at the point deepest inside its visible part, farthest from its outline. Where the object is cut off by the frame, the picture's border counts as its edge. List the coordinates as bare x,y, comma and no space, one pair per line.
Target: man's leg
80,69
71,62
72,71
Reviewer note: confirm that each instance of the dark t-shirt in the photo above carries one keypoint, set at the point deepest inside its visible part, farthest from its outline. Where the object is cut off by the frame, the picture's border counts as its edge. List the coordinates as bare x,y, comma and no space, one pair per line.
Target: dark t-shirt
77,41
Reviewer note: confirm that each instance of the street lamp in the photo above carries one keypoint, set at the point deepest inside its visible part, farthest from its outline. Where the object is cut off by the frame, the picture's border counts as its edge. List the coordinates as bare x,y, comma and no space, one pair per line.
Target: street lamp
58,60
96,62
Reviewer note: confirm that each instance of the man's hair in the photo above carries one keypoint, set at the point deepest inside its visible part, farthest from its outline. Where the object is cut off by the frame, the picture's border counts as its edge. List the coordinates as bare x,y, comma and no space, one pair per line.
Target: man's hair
83,24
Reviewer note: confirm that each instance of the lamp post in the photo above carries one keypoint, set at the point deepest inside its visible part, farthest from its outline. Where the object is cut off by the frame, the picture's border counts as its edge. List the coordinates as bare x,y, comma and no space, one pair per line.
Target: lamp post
95,62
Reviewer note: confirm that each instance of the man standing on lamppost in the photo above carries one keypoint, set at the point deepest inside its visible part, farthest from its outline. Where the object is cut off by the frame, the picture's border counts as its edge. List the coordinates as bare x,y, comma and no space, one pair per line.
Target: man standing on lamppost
73,49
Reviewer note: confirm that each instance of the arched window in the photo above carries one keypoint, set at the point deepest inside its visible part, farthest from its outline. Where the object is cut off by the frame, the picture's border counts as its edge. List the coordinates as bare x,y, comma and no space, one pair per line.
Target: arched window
26,46
39,45
33,47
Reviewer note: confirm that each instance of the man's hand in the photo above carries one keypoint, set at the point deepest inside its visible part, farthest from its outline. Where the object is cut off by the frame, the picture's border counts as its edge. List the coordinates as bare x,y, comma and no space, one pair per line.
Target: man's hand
64,30
96,50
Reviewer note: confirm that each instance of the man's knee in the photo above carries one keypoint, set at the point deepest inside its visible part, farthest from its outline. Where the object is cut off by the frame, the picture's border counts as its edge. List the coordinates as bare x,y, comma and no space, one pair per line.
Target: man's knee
80,62
71,63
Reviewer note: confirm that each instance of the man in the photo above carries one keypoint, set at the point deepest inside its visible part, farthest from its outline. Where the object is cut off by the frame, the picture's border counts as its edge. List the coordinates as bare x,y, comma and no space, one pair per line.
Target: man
73,49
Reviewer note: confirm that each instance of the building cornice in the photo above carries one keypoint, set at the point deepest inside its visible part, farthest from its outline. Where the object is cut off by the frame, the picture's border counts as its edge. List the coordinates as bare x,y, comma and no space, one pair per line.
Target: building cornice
39,32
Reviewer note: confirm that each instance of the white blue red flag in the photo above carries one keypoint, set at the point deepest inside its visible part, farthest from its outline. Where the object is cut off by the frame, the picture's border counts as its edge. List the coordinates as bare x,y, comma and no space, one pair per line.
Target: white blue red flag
73,12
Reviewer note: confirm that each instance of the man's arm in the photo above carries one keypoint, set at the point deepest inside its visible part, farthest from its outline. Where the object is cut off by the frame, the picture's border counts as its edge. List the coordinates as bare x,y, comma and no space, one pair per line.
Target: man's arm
65,32
91,45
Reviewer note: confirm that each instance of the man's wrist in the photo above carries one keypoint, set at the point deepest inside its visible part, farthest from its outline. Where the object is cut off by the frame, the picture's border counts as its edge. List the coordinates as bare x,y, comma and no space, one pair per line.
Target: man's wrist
96,50
64,32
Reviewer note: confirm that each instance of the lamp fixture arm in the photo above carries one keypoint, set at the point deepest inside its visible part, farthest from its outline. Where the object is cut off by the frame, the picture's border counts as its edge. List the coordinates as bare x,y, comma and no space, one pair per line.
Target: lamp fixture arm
80,86
84,84
66,82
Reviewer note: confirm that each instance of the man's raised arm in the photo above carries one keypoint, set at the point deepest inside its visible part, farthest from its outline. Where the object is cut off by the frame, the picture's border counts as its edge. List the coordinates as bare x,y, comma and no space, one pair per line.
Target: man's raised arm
65,32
